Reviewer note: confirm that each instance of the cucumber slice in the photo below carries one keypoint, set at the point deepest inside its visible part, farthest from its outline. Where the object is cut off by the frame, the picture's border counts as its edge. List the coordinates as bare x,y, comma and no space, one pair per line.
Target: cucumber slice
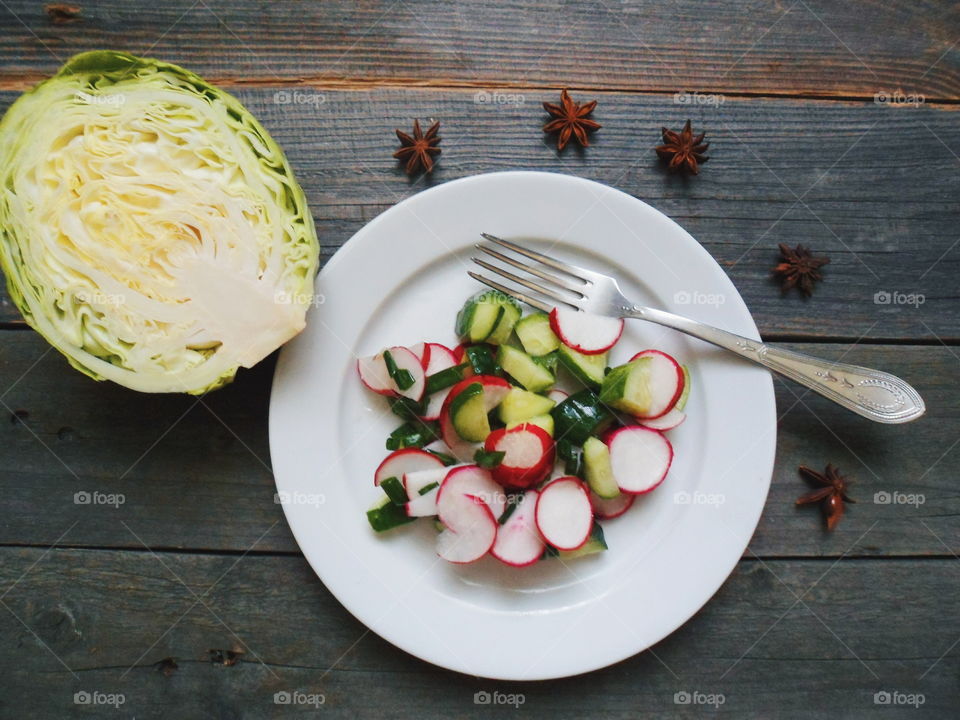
504,327
549,361
522,368
520,405
682,400
468,412
541,421
595,543
394,489
596,463
580,416
627,387
536,336
481,315
386,515
588,369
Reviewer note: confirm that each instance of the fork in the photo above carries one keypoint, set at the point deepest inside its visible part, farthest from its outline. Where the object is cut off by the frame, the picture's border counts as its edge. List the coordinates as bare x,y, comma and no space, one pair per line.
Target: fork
875,395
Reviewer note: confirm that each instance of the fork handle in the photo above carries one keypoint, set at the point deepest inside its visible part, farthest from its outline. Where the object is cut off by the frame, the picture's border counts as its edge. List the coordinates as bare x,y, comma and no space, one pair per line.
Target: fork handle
875,395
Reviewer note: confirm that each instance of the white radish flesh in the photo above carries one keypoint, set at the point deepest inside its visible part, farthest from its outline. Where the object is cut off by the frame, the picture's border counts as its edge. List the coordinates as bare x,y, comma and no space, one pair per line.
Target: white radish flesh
405,461
665,381
475,482
470,528
606,508
668,421
585,332
518,541
373,374
640,458
563,514
406,360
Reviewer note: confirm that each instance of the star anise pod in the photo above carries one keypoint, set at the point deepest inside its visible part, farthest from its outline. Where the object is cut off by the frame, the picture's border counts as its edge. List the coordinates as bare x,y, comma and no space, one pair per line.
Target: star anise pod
831,495
799,269
683,150
419,149
570,120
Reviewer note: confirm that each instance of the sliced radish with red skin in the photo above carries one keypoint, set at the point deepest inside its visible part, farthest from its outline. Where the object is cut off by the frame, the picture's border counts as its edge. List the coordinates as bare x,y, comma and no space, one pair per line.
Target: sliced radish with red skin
518,541
470,528
666,382
528,455
461,449
373,373
435,405
422,351
440,358
558,396
667,421
406,360
404,461
640,458
495,389
414,482
564,515
607,508
423,505
473,481
585,332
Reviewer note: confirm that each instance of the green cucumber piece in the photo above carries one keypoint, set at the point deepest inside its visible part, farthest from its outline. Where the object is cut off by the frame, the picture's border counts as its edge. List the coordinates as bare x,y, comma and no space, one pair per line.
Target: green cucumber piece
406,408
520,405
444,379
627,387
481,360
394,489
481,315
536,336
386,515
522,368
541,421
504,327
682,400
572,456
549,361
443,457
488,459
415,433
580,416
597,468
588,369
468,412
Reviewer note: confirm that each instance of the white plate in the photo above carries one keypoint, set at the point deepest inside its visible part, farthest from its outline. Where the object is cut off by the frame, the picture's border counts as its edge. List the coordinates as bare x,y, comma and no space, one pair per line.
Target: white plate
401,280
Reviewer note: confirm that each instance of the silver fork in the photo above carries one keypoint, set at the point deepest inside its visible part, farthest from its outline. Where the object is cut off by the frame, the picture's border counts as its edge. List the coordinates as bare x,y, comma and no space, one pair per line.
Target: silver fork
873,394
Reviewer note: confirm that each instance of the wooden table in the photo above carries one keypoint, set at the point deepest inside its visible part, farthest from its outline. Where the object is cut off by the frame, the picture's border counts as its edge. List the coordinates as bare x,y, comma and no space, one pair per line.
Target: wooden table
810,143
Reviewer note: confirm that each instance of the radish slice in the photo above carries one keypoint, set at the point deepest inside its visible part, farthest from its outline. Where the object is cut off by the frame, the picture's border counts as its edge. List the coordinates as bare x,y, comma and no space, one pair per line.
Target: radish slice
558,396
528,455
640,458
563,514
470,528
461,449
475,482
422,351
440,358
373,374
518,541
406,360
666,383
404,461
424,505
606,508
668,421
584,332
414,482
495,389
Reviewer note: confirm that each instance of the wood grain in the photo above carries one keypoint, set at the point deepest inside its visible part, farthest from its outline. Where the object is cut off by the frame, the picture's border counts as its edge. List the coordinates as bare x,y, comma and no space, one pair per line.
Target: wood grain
859,627
811,48
196,474
873,187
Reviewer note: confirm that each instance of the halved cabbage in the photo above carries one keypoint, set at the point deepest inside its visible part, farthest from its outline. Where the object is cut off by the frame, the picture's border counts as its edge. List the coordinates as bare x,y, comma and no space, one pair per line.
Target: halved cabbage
150,228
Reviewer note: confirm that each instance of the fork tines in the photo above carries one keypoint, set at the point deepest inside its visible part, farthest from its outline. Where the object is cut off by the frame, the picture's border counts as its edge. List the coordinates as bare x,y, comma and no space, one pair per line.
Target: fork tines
564,287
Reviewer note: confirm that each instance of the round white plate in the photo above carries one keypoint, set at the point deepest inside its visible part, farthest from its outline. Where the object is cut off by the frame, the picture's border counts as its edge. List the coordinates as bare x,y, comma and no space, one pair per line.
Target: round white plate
401,280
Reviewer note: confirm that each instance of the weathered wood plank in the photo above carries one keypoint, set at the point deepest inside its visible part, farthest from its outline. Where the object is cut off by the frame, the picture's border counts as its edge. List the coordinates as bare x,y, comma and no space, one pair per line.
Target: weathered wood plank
874,187
826,48
767,654
201,483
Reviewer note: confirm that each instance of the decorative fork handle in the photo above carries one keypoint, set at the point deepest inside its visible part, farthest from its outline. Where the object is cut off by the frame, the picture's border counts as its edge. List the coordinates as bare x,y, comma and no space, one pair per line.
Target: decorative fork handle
875,395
